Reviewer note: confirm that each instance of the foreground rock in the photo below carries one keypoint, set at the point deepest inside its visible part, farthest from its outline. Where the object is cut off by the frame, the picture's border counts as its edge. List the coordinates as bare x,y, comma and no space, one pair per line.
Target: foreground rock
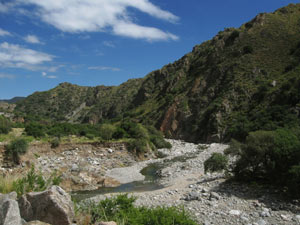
53,206
9,210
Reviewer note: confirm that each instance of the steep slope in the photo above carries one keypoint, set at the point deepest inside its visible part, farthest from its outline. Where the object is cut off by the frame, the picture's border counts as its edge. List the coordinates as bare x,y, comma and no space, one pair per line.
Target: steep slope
242,80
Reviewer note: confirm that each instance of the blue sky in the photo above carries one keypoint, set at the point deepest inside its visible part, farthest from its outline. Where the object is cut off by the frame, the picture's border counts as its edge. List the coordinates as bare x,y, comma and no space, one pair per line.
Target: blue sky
94,42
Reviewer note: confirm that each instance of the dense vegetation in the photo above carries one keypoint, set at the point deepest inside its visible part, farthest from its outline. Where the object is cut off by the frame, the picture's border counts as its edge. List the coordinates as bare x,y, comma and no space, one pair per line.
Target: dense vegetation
269,157
122,210
140,138
242,80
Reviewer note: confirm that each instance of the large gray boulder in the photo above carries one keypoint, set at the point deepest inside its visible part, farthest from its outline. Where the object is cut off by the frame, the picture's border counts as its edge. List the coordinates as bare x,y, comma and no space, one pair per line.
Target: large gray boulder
52,206
9,210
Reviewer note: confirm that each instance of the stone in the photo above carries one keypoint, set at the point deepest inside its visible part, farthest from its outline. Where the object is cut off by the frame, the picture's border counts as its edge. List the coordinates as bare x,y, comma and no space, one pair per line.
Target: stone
52,206
107,223
234,212
214,195
265,212
298,218
75,168
261,222
193,195
9,210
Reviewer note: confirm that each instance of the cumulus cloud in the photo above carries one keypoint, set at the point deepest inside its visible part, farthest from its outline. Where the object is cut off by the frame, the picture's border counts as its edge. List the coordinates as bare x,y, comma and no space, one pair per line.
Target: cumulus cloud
44,74
103,15
32,39
15,56
6,76
4,32
104,68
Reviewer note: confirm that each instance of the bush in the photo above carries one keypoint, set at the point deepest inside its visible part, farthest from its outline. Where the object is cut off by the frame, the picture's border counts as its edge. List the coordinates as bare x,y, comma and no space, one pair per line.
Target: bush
215,163
107,131
271,156
139,145
122,210
16,148
35,129
5,125
55,142
34,182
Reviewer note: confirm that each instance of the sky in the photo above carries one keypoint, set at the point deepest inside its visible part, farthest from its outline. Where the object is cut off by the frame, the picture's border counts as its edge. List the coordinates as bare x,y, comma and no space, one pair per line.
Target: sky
106,42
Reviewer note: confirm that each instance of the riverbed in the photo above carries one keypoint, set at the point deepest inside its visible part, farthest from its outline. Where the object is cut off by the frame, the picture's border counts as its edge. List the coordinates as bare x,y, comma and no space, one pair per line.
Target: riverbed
208,197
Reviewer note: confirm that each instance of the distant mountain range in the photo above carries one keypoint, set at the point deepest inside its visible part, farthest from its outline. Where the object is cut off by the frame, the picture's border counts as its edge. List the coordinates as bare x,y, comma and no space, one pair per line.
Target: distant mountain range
13,100
242,80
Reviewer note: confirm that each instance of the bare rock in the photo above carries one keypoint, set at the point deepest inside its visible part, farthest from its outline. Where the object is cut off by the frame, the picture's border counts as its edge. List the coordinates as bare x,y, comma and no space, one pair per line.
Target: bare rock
52,206
9,210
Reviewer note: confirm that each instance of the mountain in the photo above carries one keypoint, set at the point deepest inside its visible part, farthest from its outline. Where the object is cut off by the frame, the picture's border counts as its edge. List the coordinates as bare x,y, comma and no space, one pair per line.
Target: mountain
242,80
13,100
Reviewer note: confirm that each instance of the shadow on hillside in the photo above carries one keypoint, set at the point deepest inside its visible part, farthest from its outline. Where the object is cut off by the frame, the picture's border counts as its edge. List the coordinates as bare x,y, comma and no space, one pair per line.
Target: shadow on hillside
271,197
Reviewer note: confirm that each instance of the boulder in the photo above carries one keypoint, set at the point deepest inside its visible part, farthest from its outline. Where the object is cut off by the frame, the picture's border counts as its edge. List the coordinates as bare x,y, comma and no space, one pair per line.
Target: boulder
9,210
52,206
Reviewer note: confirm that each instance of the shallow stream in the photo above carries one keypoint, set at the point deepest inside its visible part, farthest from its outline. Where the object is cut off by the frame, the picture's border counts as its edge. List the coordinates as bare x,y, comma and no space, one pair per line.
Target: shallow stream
150,183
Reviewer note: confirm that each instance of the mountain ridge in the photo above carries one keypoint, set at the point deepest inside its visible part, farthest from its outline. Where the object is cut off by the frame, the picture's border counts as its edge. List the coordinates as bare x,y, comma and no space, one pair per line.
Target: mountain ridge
242,80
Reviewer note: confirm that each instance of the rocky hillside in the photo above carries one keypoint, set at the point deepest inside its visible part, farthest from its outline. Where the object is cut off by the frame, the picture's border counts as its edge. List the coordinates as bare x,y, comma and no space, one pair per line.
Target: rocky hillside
242,80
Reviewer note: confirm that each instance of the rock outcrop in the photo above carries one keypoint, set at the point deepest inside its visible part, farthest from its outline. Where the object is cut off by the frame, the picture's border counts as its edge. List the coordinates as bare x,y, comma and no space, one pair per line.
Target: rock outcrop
52,206
9,210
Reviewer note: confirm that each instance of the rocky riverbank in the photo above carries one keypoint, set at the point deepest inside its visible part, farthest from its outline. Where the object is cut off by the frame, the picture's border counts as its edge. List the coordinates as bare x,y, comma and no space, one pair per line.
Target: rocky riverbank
208,196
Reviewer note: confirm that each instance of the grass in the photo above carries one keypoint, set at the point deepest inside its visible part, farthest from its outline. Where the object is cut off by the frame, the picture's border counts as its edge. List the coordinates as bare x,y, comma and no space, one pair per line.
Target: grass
6,183
122,210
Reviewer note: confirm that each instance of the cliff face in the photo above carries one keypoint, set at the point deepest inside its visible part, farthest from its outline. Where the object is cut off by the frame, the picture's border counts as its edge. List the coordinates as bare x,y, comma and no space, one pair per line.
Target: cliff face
242,80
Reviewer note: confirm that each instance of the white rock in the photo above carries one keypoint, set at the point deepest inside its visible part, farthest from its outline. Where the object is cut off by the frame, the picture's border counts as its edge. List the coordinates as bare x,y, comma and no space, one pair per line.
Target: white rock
234,212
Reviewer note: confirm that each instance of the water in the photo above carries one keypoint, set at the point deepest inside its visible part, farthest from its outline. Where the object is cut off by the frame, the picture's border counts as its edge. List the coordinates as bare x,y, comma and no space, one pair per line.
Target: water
150,183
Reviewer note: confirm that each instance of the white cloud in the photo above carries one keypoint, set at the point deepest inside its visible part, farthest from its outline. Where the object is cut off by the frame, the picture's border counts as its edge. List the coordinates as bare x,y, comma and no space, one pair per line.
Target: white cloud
4,32
16,56
104,68
7,76
32,39
104,16
109,44
44,74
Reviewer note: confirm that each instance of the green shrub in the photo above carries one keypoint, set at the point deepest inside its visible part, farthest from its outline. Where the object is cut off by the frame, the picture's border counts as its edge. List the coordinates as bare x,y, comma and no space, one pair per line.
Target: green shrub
271,156
138,145
119,133
90,136
5,125
55,142
122,210
160,142
16,148
107,131
216,162
34,182
35,129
